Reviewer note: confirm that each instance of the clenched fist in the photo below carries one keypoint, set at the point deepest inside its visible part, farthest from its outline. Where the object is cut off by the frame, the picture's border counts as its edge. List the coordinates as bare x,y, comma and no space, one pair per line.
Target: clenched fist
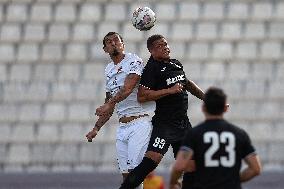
92,134
177,88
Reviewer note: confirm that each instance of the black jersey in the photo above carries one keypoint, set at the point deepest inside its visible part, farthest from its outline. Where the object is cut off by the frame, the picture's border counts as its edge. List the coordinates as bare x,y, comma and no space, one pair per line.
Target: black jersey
162,75
218,149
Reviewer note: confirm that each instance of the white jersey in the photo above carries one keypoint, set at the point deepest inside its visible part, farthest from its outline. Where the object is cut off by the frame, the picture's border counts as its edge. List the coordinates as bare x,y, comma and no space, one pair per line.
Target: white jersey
115,76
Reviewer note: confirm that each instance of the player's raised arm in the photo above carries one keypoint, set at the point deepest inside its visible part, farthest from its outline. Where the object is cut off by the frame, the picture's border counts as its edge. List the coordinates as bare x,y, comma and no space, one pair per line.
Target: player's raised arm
191,87
100,122
130,82
145,94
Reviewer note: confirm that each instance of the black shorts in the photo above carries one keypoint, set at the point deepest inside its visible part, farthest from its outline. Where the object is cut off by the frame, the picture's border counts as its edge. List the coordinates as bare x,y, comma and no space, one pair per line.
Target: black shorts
160,142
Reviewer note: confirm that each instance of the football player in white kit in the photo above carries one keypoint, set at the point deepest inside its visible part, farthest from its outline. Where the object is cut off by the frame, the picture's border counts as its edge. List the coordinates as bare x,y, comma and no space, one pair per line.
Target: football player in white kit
122,80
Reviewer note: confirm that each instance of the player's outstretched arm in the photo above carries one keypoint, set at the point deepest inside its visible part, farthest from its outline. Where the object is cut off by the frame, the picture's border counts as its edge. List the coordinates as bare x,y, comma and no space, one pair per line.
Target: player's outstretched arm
145,94
98,125
130,82
100,122
191,87
253,169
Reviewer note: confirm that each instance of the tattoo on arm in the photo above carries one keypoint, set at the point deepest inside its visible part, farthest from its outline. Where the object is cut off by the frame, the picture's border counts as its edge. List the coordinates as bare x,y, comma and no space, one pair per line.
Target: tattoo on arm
120,95
101,121
145,94
194,89
130,82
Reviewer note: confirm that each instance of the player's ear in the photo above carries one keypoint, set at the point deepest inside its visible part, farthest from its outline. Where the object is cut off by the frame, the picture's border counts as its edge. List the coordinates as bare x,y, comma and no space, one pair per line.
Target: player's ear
226,107
105,49
151,51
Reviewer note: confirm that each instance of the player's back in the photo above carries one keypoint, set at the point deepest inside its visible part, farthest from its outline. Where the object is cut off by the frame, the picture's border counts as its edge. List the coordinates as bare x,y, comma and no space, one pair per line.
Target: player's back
218,150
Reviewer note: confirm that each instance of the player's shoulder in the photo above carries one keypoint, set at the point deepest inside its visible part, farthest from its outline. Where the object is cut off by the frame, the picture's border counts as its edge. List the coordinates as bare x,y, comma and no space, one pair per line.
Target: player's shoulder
150,65
175,61
238,130
109,66
151,60
218,126
132,57
211,125
199,128
195,133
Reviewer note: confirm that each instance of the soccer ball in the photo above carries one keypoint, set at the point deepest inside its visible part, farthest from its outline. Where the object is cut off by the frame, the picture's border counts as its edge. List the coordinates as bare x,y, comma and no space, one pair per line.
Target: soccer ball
143,18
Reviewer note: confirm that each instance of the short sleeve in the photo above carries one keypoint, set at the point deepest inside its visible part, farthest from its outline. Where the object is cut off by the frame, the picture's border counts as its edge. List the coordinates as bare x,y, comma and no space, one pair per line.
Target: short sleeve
247,145
178,63
107,88
188,142
148,78
136,67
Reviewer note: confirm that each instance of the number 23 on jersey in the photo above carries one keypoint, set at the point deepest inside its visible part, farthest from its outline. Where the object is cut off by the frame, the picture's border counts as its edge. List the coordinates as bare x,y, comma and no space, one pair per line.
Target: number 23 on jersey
215,140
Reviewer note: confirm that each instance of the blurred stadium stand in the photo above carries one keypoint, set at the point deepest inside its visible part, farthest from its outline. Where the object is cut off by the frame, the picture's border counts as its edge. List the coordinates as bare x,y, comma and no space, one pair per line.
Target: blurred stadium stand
52,62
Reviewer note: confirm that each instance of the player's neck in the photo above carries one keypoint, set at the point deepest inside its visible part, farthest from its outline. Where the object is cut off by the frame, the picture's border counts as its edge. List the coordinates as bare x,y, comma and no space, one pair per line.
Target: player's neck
162,60
212,117
118,58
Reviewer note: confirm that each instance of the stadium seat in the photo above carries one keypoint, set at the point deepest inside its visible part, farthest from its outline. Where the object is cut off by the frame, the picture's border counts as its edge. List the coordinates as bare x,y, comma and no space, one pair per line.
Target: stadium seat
115,12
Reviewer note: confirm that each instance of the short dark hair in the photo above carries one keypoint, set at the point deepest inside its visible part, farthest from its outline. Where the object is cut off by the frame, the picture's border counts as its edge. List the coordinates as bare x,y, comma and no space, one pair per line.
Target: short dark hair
152,39
111,33
214,100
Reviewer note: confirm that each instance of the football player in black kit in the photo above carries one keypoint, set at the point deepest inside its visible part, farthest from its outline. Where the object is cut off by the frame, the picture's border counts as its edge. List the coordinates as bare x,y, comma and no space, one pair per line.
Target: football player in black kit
218,148
163,81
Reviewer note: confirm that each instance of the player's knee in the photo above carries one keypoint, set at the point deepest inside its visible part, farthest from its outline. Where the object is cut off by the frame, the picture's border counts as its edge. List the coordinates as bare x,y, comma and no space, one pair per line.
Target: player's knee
155,156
